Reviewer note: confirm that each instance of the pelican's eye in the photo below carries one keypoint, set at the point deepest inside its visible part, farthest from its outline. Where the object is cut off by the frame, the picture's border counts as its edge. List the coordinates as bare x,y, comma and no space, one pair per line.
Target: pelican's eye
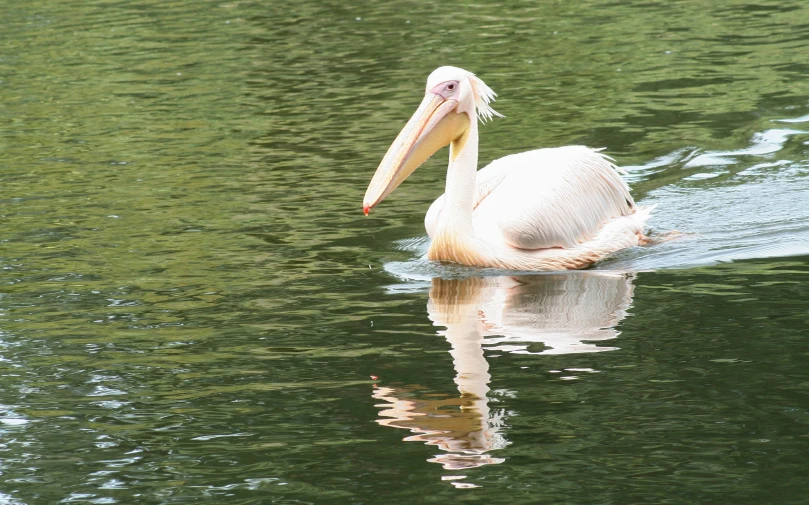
447,89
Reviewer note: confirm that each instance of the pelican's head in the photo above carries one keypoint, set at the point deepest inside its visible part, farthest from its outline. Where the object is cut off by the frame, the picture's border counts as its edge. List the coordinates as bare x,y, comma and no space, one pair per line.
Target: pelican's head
454,99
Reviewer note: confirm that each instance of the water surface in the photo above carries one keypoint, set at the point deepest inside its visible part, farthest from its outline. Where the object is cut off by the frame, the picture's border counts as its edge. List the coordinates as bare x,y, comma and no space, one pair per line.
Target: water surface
194,309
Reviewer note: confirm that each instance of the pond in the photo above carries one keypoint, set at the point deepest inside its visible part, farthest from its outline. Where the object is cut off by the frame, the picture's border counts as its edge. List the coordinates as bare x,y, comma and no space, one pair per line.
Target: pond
195,310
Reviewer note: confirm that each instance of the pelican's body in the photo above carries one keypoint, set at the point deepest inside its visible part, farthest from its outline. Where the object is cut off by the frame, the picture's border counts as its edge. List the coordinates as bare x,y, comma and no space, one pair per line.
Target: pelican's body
548,209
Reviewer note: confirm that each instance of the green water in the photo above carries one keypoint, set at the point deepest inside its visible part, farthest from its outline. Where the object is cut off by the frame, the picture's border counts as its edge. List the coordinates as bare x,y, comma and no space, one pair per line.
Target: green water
192,305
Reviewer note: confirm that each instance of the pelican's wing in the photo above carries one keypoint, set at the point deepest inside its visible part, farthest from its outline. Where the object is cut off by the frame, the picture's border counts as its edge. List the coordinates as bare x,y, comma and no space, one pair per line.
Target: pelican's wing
551,197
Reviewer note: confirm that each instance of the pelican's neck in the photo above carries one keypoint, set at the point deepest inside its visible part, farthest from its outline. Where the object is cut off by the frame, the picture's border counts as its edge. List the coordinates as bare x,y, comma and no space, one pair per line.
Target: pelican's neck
456,216
454,238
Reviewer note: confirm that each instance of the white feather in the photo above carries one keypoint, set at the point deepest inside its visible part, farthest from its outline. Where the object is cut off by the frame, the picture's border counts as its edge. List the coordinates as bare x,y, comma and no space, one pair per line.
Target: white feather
483,96
551,197
545,198
550,209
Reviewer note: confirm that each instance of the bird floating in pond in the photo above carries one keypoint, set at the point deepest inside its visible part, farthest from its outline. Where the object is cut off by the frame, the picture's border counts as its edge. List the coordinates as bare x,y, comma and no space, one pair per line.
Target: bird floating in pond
547,209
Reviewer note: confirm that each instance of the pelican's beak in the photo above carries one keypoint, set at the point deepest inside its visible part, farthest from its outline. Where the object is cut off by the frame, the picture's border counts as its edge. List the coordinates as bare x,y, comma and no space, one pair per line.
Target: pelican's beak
434,125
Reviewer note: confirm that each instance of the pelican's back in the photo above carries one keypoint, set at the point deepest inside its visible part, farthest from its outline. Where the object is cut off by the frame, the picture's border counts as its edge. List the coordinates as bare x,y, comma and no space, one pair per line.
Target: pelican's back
549,198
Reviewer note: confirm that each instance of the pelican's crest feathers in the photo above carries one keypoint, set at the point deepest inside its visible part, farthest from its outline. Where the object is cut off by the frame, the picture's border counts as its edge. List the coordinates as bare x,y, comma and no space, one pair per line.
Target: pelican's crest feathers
483,95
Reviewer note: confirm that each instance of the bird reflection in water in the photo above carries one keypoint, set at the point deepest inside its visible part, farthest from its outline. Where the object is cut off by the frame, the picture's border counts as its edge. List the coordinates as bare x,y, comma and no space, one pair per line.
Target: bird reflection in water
562,313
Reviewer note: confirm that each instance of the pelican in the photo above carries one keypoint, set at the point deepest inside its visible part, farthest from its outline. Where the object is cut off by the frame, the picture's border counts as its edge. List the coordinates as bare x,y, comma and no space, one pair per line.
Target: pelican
548,209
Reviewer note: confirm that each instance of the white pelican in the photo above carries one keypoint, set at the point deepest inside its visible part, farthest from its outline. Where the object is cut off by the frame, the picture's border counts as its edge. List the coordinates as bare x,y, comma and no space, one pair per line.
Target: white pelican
548,209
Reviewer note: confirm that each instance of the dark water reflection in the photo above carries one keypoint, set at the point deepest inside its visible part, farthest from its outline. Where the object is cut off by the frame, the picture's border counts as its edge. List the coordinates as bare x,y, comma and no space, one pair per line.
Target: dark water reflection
192,303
